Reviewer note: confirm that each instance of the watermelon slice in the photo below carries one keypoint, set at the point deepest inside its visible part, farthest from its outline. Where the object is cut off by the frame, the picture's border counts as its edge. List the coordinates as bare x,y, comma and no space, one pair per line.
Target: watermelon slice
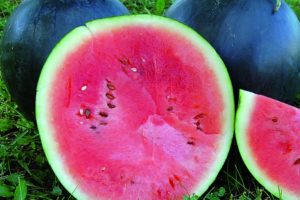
268,137
135,107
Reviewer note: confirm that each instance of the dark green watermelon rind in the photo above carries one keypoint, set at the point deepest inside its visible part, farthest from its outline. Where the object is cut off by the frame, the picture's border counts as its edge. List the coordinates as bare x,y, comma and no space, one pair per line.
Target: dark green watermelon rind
243,117
95,27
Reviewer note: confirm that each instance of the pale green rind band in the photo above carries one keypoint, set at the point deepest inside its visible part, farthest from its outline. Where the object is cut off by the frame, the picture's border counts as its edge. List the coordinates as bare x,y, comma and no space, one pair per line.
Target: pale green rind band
81,34
243,117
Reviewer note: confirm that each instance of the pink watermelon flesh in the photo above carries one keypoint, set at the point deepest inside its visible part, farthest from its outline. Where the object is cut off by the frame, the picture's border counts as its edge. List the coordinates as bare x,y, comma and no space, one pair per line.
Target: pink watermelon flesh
273,136
134,118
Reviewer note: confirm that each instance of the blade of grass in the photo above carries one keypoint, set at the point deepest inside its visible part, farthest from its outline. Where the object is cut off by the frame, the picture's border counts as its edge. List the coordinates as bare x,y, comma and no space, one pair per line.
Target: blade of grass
21,190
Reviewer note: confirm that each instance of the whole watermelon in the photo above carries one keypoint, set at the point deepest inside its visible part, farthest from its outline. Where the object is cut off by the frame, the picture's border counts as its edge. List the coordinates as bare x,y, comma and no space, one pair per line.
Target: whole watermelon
257,39
33,30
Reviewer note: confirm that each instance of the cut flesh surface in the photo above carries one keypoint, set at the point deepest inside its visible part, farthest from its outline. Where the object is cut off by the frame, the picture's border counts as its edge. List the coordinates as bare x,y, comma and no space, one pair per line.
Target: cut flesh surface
135,107
268,136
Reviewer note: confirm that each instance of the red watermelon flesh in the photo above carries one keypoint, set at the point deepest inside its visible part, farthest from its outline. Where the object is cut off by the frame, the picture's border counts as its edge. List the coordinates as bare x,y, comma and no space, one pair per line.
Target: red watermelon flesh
268,134
137,111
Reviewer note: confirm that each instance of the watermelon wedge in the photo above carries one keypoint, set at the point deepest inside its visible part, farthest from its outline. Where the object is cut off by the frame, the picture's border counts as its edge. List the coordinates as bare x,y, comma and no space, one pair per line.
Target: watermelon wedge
268,137
135,107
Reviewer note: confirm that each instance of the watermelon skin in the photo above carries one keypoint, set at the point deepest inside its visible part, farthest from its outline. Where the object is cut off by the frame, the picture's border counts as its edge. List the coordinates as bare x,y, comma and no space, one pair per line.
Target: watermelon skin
125,112
33,30
267,133
260,48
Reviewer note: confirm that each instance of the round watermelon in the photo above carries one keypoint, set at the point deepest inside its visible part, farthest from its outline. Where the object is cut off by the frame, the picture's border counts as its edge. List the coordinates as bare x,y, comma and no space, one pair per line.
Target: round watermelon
135,107
32,31
268,137
258,40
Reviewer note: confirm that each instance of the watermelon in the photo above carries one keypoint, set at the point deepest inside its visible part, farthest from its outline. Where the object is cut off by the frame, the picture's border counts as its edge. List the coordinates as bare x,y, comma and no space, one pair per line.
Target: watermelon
260,47
267,133
135,107
32,31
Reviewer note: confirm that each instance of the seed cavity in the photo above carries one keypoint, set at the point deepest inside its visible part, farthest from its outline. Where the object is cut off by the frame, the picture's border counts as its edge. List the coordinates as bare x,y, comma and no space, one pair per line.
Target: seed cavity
132,182
286,147
171,99
199,128
124,61
196,106
103,123
199,116
69,89
159,192
176,177
274,119
198,125
103,114
191,143
170,108
103,169
171,183
111,106
297,162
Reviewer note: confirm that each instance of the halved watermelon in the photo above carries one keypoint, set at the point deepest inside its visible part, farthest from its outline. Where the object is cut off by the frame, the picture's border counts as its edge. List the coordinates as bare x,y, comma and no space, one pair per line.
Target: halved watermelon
268,137
135,107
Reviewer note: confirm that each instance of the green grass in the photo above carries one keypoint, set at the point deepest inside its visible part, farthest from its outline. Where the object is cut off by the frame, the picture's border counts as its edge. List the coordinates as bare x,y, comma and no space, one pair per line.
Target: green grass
295,5
25,173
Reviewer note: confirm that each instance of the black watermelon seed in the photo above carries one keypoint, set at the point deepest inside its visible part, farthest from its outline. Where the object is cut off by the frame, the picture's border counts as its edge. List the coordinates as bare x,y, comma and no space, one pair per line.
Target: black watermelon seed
103,114
199,116
297,162
110,96
274,119
93,127
169,109
110,86
111,106
199,128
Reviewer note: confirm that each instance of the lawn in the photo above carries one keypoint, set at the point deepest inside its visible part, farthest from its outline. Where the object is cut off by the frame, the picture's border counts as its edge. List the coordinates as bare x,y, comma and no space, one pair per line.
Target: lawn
25,172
